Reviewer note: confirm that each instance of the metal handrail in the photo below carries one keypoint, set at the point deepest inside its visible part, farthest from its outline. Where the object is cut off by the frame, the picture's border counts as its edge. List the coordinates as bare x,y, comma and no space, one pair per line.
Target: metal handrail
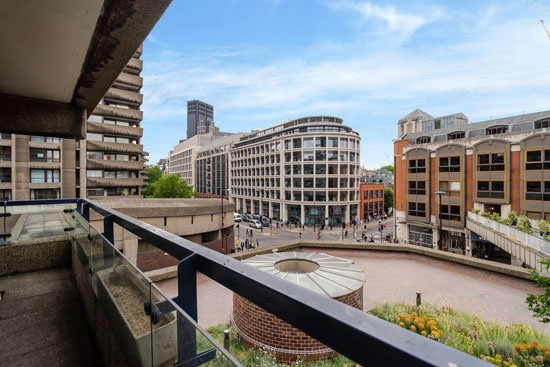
523,237
357,335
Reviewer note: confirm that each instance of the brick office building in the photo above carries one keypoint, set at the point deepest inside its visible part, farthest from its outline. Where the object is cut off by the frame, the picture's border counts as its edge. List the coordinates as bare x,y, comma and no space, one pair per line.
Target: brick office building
372,200
494,166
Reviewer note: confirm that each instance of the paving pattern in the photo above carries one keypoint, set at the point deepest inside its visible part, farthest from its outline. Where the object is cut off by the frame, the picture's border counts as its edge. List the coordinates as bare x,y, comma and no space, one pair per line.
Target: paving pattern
396,277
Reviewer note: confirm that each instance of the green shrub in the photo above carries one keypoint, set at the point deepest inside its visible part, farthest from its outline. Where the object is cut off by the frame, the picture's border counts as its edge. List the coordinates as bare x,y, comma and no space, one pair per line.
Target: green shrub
524,225
475,211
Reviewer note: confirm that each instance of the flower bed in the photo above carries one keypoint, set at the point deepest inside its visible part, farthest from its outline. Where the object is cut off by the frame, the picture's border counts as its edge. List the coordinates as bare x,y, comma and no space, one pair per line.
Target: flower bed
515,345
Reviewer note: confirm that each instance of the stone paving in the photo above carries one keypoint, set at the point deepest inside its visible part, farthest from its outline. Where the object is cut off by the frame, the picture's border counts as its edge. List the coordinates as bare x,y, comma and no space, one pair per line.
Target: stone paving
396,277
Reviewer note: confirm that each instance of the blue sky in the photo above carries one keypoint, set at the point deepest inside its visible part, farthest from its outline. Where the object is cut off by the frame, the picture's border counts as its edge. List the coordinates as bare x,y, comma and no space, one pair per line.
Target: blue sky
262,61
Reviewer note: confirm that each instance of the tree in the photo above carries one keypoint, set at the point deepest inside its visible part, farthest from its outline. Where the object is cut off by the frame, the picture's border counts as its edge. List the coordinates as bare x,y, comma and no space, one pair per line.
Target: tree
154,173
172,186
389,167
388,199
539,304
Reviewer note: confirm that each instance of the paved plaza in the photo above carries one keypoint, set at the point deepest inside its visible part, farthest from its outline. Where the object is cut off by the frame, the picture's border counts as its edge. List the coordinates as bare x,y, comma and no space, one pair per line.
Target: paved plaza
396,277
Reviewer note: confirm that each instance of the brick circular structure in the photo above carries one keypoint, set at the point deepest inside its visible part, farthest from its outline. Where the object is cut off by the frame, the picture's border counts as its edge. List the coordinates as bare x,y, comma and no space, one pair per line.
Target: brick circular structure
334,277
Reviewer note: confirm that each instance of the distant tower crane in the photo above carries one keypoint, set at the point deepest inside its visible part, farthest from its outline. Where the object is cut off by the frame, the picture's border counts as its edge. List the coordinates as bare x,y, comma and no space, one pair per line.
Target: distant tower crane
545,28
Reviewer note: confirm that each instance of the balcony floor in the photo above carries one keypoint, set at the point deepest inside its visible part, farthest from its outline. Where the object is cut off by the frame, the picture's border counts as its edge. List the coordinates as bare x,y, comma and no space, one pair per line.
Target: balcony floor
43,322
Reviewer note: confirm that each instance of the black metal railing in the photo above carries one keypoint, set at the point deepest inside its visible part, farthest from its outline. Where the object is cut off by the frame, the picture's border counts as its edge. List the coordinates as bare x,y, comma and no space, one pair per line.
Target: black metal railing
363,338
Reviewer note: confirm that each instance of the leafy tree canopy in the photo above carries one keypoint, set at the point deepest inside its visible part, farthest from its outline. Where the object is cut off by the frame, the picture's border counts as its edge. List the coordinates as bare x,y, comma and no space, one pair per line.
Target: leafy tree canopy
154,173
389,167
388,199
172,186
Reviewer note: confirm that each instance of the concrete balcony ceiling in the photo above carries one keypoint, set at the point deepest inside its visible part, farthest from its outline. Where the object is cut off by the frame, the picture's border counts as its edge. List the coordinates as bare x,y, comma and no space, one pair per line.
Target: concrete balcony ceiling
114,165
94,127
112,111
103,146
61,57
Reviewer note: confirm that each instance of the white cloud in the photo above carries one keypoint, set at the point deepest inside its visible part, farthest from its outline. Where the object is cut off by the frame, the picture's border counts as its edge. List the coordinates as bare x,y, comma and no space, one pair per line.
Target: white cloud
500,69
402,23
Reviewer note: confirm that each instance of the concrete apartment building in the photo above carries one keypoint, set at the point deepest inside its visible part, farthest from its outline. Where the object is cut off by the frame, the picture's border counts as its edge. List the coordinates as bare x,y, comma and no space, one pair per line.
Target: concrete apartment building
200,118
107,163
181,160
494,166
303,171
113,153
213,175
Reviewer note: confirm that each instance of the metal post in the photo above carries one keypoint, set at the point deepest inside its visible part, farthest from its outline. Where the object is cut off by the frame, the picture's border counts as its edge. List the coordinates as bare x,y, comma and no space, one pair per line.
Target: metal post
187,300
226,340
418,299
439,193
86,212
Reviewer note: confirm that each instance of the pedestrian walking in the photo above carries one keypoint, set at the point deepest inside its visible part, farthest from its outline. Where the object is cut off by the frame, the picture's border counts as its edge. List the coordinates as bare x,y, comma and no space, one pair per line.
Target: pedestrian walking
257,242
346,234
299,234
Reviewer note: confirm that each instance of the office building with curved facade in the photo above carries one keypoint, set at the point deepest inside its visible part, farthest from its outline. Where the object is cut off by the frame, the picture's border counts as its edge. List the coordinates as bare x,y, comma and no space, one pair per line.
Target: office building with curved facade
304,171
494,166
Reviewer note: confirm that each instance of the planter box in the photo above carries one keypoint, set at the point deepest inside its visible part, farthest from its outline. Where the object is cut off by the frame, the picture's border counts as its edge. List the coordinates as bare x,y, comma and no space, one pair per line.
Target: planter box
122,295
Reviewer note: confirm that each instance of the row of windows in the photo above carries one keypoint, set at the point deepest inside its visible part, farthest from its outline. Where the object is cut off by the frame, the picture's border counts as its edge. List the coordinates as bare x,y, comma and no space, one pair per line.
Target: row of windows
111,174
537,190
45,175
298,169
373,194
44,155
111,156
111,139
321,142
5,153
534,160
446,212
112,191
99,119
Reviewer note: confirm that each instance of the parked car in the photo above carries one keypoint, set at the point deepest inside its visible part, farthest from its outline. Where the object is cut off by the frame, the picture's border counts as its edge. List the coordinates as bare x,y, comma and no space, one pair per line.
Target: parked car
246,218
264,220
237,217
254,223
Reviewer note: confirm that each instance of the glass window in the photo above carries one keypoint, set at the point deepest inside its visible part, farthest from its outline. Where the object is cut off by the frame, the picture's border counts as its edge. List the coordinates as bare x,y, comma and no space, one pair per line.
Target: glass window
123,123
321,183
297,196
296,182
288,144
94,173
332,155
320,169
109,174
94,137
296,156
123,174
320,196
109,139
94,155
333,142
320,142
537,160
320,155
109,122
417,165
420,236
417,209
343,156
123,140
287,157
490,162
297,169
308,182
122,157
308,195
343,143
449,164
297,143
308,169
450,212
417,187
308,142
308,156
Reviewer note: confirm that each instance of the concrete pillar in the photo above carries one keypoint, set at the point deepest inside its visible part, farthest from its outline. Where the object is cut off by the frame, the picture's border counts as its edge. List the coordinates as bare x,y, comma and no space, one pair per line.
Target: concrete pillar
468,243
270,209
435,237
302,214
284,212
325,220
346,215
515,261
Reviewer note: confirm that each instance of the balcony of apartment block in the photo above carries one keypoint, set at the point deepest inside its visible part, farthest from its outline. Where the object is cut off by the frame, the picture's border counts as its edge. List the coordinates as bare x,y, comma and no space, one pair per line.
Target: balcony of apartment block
45,185
44,145
135,65
93,145
125,95
4,142
65,279
94,127
93,182
135,82
45,165
114,165
112,111
528,248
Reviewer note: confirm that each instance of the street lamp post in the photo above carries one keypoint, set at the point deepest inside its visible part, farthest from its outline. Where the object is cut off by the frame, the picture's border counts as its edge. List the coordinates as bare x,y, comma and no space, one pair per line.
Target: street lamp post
440,222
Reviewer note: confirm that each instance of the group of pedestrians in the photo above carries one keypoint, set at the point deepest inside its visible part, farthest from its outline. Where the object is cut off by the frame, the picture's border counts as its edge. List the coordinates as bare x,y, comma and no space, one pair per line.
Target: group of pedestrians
248,243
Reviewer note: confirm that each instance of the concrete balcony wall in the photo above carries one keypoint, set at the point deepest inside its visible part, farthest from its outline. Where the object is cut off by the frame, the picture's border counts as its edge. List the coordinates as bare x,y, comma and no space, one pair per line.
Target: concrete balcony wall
112,111
114,165
125,95
43,145
103,146
45,185
135,63
45,165
94,127
129,80
113,182
5,142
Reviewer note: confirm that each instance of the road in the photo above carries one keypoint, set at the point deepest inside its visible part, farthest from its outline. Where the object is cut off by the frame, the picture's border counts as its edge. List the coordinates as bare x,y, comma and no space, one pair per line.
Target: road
283,235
